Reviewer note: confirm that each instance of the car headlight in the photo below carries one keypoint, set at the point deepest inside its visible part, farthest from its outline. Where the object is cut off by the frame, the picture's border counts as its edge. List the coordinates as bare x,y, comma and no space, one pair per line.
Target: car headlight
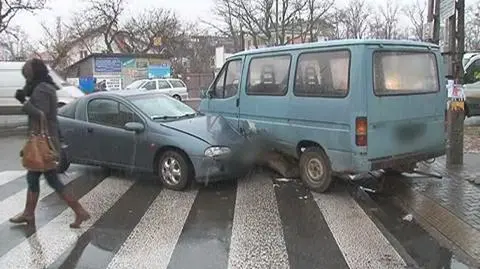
213,152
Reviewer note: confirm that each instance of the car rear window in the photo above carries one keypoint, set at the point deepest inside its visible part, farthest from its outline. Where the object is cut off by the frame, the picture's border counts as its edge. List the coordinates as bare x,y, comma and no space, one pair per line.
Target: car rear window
404,72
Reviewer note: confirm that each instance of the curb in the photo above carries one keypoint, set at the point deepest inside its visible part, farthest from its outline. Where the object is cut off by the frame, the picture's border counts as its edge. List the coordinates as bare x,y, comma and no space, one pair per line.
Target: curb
13,131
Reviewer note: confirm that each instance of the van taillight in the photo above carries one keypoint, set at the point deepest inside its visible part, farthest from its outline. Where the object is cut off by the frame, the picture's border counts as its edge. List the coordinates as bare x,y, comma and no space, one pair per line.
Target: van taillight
361,131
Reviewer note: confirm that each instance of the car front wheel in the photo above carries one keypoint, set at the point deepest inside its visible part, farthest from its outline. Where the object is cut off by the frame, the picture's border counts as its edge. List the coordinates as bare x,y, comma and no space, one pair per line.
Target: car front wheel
315,169
174,170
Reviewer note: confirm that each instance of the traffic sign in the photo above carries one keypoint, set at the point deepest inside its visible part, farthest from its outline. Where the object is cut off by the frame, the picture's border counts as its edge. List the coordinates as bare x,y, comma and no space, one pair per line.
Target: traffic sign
447,9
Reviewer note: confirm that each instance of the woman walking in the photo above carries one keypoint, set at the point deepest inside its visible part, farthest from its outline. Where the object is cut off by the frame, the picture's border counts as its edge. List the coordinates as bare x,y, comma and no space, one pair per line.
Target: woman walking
42,103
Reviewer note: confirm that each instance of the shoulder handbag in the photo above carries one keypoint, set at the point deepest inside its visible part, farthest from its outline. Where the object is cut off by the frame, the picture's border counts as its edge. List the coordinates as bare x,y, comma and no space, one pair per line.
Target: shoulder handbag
38,153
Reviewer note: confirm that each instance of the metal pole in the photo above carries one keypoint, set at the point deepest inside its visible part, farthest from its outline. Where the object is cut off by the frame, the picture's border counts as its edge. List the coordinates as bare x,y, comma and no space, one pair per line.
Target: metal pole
436,22
455,117
276,22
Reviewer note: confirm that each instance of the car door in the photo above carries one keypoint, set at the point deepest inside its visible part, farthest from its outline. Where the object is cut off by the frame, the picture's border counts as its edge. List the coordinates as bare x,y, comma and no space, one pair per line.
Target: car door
223,97
150,85
110,142
164,87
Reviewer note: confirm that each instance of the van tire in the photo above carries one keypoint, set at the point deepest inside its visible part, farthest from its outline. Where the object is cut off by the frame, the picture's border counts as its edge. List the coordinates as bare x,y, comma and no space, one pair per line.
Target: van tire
311,160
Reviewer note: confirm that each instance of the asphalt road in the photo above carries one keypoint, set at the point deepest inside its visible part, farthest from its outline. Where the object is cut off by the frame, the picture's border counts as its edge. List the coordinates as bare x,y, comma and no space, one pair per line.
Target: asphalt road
256,222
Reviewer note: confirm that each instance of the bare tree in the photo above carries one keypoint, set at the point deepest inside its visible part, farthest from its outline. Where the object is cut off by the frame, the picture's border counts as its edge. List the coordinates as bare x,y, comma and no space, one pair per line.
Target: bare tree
16,42
472,27
86,32
9,9
356,16
315,12
336,26
416,14
58,43
227,24
105,15
151,30
384,22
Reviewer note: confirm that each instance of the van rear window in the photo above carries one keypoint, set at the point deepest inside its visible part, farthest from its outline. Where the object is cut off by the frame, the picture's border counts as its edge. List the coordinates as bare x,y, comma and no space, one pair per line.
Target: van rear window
403,73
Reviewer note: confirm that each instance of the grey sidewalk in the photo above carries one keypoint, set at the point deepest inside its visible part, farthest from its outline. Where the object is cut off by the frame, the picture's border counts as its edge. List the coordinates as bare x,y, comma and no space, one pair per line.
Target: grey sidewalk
12,124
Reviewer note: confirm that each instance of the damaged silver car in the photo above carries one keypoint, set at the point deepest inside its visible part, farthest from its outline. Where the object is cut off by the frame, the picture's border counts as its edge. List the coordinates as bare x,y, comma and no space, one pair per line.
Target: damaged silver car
151,133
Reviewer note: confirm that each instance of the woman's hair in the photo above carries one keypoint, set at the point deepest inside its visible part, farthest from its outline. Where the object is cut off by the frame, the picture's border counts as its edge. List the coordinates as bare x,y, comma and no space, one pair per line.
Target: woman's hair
39,74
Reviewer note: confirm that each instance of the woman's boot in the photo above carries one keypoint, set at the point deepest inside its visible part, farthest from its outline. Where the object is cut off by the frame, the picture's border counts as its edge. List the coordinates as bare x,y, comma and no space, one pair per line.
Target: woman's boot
28,215
81,214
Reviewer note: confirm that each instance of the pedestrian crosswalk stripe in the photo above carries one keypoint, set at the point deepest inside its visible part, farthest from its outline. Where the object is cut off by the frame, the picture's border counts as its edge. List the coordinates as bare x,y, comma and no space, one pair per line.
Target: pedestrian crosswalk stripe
14,204
112,228
352,228
56,236
309,241
153,240
257,227
207,230
48,208
251,223
7,176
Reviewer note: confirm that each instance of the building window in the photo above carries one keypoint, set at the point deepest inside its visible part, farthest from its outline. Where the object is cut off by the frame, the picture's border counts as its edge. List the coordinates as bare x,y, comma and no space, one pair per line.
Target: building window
83,54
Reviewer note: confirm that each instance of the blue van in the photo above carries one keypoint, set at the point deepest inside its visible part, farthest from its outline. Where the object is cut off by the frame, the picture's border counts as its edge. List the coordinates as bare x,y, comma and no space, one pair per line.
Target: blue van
339,107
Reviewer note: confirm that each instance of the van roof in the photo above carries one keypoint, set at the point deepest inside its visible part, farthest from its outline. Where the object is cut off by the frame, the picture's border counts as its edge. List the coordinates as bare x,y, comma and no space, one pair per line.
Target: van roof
334,43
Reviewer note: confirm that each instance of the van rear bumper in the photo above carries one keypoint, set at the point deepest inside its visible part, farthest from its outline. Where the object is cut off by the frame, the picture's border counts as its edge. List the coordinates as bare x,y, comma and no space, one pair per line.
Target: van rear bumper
403,159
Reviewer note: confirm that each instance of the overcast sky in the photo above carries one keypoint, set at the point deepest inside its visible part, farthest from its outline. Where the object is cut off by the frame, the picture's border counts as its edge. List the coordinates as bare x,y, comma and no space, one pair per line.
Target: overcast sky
187,9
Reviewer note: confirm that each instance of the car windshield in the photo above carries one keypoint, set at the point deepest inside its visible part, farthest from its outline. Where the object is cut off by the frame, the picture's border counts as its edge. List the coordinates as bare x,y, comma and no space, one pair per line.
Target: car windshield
135,84
161,107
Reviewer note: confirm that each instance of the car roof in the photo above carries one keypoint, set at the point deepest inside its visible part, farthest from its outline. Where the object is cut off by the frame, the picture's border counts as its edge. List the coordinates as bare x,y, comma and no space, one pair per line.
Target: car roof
124,93
336,43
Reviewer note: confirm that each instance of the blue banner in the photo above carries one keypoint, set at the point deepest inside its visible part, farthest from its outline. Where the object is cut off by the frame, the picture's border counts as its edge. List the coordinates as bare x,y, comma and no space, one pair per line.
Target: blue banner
159,71
108,65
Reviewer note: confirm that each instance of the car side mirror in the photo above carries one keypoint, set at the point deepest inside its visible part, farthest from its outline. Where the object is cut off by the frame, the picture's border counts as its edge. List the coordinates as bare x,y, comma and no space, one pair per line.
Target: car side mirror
137,127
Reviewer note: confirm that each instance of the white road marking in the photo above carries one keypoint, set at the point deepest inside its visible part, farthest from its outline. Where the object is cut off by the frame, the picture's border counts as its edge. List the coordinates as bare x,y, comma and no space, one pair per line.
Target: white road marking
257,235
360,241
152,242
47,244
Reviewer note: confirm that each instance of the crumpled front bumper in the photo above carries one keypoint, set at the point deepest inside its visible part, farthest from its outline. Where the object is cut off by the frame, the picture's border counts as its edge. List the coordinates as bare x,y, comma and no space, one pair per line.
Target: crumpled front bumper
210,169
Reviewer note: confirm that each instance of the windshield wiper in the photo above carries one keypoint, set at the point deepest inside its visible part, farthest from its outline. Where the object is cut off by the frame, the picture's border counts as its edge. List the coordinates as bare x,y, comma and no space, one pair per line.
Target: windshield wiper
188,115
163,117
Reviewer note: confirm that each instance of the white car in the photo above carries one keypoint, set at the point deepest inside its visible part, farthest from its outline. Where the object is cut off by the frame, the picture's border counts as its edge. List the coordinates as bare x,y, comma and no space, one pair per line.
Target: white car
11,79
170,86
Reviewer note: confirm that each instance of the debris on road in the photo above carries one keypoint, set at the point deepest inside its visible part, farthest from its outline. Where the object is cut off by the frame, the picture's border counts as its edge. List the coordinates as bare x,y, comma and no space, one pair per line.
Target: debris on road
283,179
408,217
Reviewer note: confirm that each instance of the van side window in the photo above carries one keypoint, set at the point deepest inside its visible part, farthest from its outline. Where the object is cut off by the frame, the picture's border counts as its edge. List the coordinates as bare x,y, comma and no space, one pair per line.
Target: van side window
472,74
323,74
228,81
268,75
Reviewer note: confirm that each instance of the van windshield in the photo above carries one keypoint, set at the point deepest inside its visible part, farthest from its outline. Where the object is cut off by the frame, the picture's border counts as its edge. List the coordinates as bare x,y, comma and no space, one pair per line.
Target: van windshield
402,72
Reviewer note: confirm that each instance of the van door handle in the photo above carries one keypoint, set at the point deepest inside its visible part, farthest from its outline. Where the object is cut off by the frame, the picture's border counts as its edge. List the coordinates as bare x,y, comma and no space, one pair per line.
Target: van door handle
238,101
89,129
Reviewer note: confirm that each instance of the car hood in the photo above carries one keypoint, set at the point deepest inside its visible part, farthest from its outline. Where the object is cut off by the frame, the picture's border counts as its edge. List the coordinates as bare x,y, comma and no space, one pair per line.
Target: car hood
214,130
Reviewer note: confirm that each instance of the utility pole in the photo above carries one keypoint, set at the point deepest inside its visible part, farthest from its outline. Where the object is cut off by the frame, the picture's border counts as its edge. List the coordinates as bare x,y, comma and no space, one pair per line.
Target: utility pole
453,12
276,22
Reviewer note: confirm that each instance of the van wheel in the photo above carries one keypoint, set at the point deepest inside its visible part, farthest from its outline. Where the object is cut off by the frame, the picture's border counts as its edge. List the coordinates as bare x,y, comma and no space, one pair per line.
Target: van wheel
174,170
315,169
